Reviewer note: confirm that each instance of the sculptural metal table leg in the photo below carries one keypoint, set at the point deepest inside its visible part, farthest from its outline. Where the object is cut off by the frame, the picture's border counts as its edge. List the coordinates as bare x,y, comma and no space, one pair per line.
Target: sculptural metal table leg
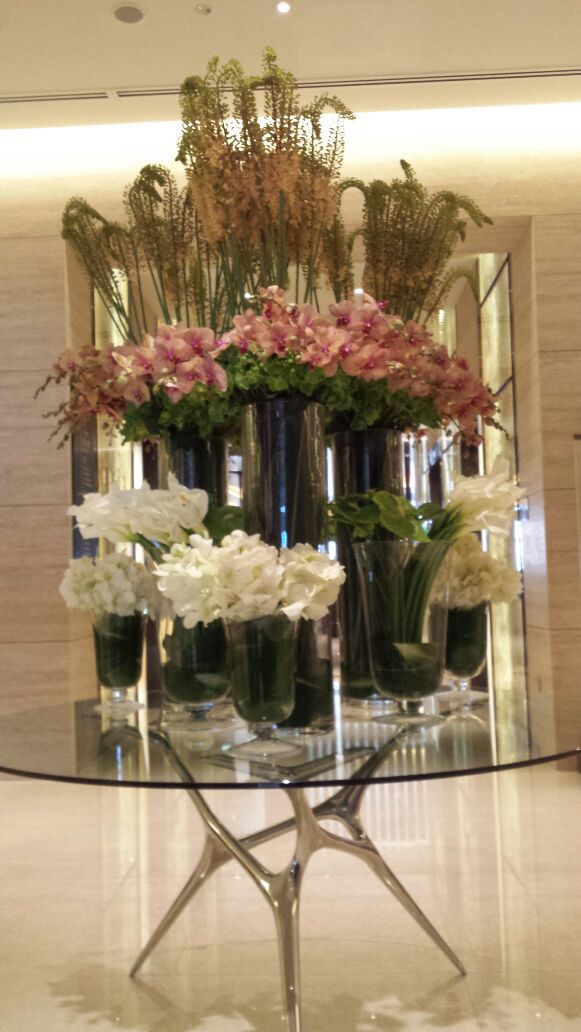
282,889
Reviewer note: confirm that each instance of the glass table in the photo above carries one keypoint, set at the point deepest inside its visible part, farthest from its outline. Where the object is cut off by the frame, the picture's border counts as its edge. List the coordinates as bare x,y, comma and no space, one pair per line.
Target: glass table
74,742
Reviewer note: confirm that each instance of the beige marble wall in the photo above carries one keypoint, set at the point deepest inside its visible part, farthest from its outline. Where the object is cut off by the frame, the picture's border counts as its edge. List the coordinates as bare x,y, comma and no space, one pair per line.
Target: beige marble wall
43,646
557,289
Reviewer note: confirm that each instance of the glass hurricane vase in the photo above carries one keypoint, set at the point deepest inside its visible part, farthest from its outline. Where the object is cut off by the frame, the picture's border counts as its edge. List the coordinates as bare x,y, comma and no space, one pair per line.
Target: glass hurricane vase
466,649
194,671
263,656
118,654
406,633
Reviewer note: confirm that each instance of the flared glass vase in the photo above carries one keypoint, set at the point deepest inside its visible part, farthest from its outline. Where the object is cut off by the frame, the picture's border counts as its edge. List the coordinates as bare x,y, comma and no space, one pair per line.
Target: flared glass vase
406,632
118,644
466,651
194,671
263,658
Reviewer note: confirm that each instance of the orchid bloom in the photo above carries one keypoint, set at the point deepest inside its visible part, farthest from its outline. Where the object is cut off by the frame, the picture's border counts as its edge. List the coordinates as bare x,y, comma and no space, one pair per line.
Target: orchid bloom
487,502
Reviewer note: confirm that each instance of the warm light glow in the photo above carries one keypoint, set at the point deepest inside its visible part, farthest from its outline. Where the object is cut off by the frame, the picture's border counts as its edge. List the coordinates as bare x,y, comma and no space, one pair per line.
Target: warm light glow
373,137
283,7
80,149
477,131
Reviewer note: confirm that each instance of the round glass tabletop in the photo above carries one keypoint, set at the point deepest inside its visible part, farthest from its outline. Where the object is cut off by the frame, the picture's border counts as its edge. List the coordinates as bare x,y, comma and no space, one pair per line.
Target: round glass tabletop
76,742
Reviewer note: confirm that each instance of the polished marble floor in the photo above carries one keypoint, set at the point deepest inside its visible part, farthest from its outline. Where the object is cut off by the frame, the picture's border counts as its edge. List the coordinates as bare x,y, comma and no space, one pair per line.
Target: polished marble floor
495,861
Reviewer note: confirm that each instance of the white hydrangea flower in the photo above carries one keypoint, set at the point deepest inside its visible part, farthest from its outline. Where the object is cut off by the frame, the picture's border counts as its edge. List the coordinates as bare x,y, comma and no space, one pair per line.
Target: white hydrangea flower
116,584
189,578
161,516
311,582
487,502
473,577
244,579
250,577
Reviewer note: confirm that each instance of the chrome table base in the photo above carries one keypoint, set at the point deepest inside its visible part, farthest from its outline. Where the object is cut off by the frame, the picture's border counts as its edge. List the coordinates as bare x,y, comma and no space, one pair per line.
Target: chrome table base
282,889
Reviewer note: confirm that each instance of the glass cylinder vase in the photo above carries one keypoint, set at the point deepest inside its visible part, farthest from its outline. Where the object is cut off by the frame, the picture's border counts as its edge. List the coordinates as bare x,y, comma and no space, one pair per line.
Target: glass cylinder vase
284,493
118,644
406,631
199,462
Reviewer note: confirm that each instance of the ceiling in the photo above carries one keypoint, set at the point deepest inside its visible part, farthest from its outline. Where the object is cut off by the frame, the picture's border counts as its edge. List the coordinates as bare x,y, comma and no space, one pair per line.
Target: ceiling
70,62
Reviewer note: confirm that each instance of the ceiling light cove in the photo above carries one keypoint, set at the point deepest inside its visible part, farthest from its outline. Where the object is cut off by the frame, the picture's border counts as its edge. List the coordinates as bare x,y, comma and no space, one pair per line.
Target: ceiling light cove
129,14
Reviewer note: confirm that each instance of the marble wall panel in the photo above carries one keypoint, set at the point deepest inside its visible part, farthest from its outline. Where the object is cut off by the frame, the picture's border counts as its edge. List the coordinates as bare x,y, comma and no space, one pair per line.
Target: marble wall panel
45,673
32,302
535,564
564,574
35,546
35,471
522,298
45,648
467,326
558,282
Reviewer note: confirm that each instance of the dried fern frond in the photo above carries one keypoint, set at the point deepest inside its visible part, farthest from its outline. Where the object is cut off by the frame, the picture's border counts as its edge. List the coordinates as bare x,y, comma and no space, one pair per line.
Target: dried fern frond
409,237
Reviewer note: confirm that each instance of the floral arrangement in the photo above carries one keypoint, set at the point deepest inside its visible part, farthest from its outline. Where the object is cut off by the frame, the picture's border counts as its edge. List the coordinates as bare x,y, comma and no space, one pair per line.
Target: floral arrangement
408,236
115,584
154,519
244,579
474,576
265,186
367,367
475,504
261,193
141,386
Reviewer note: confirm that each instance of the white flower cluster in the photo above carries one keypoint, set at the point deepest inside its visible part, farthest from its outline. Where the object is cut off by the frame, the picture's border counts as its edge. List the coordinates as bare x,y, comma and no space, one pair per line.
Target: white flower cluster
115,584
163,517
473,577
244,579
486,503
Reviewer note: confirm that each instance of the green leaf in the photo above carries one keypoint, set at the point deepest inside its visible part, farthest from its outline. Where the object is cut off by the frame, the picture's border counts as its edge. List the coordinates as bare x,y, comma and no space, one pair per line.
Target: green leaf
221,521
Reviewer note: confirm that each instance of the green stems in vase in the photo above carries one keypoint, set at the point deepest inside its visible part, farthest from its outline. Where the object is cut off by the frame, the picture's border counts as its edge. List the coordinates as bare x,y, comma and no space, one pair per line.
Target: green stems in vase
466,648
195,677
406,633
118,654
263,657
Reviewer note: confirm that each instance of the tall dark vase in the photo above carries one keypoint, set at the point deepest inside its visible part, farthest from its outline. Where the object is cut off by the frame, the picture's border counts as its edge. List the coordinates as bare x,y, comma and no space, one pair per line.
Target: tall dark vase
362,460
199,462
284,497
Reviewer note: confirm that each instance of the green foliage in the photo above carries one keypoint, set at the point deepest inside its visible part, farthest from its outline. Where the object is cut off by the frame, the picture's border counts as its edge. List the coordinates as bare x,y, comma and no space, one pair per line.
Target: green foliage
252,377
99,246
409,237
221,521
380,515
355,404
209,412
160,257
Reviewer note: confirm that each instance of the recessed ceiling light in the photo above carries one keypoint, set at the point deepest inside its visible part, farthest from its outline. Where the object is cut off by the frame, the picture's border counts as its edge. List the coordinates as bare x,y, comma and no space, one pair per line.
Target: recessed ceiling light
203,9
129,14
283,7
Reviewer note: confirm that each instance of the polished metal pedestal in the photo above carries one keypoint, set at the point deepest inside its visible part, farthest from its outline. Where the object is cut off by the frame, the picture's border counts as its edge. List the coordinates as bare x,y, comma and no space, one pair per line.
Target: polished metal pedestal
282,889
